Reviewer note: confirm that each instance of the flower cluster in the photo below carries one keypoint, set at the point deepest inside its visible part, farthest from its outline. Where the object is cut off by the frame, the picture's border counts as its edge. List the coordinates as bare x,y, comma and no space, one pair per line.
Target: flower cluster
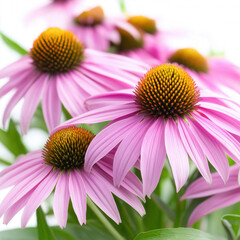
161,104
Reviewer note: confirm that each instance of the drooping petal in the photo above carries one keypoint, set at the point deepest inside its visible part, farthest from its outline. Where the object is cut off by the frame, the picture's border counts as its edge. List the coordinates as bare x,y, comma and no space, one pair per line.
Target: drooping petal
74,101
101,195
223,120
176,153
31,101
200,188
28,159
106,99
129,150
100,115
214,203
22,64
153,155
61,200
228,142
211,148
77,190
89,85
23,188
42,191
20,92
51,105
107,139
121,192
194,150
131,182
16,207
15,81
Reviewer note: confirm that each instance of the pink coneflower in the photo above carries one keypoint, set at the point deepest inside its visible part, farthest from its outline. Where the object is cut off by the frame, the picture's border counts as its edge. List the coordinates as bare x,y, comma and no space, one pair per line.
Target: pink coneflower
59,70
61,163
212,73
97,31
143,47
221,195
166,115
56,12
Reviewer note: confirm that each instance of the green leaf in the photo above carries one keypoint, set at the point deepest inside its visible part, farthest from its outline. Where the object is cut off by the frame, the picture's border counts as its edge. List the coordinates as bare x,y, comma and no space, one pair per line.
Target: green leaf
176,234
5,162
44,231
13,45
19,234
231,224
71,232
11,139
164,207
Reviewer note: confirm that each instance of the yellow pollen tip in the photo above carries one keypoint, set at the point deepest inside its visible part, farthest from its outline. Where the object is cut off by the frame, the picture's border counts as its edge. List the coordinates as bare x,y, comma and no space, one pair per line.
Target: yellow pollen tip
191,59
92,17
56,51
146,24
166,90
66,148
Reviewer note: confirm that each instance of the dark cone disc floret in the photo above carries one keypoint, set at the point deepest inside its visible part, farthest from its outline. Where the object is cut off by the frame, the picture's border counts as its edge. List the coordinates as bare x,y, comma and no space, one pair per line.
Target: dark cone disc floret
66,148
56,51
146,24
191,59
91,17
166,91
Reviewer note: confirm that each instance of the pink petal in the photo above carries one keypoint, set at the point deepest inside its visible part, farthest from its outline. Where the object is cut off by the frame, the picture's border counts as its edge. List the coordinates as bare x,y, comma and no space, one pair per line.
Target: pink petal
23,188
107,139
100,115
214,203
112,73
110,98
228,142
19,174
97,190
29,159
51,105
129,151
121,192
20,92
31,100
211,148
70,95
130,182
77,190
200,188
153,155
87,84
194,150
42,191
61,200
16,207
176,153
15,82
225,121
22,64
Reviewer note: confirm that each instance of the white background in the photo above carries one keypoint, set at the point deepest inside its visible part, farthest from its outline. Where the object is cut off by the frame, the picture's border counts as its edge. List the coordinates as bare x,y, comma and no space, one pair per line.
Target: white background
213,24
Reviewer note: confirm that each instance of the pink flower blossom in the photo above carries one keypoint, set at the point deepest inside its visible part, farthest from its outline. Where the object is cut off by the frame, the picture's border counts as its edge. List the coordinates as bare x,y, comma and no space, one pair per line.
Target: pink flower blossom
166,115
98,31
59,70
220,195
56,12
213,73
60,165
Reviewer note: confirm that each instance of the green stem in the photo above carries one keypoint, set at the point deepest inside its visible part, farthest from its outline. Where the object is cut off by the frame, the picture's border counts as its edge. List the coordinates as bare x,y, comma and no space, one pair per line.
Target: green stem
122,6
104,221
